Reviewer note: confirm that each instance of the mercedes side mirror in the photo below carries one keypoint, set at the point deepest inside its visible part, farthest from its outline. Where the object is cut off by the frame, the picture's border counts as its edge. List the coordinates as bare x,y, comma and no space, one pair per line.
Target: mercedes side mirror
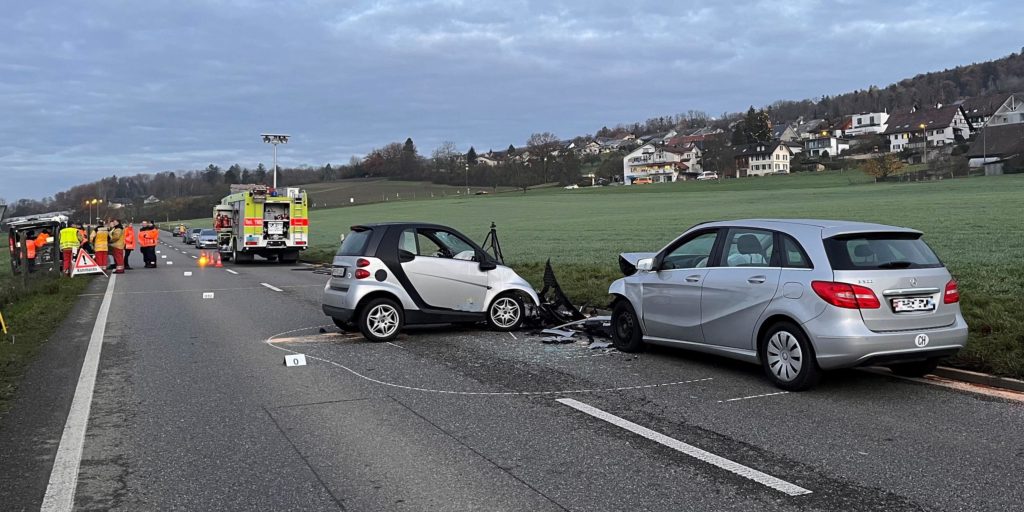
645,265
487,264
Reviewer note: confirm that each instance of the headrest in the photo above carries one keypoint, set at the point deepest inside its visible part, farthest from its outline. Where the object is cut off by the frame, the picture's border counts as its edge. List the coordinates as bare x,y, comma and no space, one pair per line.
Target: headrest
748,244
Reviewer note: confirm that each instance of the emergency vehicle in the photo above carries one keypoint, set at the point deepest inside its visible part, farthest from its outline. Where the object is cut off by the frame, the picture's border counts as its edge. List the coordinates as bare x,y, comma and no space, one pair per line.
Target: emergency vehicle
47,258
255,220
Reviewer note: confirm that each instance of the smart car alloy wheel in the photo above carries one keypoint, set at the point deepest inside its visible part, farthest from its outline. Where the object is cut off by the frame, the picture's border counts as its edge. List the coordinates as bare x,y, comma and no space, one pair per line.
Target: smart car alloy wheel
506,313
381,320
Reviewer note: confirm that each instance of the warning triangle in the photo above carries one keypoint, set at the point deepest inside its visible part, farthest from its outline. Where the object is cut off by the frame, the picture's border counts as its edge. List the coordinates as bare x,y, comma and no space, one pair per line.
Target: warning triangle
84,264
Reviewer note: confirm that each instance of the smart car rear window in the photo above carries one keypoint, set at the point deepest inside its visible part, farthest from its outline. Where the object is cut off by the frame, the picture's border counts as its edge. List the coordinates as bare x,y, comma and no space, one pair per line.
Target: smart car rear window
880,251
355,243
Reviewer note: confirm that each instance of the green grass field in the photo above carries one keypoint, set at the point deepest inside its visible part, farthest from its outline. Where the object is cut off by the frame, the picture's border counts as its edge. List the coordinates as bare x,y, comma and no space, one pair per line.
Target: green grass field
31,318
336,194
976,226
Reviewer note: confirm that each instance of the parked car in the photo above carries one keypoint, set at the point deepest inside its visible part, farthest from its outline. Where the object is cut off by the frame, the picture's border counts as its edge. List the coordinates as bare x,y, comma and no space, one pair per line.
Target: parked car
795,296
707,175
207,239
386,276
192,235
642,181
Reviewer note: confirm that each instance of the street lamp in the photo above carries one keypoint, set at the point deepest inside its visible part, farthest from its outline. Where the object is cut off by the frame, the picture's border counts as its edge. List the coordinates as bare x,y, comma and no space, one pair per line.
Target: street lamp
275,139
467,178
89,203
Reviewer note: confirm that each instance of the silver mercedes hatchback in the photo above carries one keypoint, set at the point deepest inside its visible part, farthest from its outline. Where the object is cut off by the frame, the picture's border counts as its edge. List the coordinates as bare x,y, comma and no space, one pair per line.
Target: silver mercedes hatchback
795,296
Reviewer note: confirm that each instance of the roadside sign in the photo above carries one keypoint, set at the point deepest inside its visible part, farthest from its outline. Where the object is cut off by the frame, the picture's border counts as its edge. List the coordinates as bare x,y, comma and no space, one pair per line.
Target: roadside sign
295,360
84,264
207,295
187,274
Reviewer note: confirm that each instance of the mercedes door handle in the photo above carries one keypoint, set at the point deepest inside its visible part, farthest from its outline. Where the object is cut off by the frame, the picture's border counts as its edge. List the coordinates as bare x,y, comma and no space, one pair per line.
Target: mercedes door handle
692,279
757,280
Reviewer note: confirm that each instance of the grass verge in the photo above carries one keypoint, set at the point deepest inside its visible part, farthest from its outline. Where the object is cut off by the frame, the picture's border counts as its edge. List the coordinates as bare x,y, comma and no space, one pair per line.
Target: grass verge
32,316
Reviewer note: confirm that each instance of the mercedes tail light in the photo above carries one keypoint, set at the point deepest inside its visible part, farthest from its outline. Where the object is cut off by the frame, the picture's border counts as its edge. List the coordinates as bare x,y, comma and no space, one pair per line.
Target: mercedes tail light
845,295
952,293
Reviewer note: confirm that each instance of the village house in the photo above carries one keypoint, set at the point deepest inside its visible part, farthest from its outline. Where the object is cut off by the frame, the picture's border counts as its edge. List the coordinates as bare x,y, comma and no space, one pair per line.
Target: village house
998,148
660,164
825,147
941,125
980,109
1010,111
868,122
763,158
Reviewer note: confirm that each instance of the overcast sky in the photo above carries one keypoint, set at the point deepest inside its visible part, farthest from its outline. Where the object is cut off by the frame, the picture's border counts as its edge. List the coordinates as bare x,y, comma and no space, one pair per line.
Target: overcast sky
90,89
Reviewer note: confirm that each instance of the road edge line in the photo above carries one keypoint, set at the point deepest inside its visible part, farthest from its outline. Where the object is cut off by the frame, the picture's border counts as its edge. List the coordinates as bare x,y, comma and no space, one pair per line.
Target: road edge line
687,449
60,490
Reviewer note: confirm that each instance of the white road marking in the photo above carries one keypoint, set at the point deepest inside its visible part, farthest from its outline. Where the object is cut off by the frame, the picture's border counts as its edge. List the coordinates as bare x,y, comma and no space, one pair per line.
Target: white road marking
272,287
513,336
394,345
228,270
273,339
195,258
60,491
692,451
753,396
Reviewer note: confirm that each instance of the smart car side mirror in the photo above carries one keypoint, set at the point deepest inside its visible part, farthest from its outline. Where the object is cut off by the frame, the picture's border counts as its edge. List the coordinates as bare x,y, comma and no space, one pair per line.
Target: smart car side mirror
486,265
645,265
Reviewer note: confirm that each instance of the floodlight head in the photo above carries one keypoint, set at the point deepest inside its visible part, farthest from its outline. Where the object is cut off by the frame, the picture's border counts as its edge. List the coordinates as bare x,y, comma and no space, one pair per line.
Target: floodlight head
275,138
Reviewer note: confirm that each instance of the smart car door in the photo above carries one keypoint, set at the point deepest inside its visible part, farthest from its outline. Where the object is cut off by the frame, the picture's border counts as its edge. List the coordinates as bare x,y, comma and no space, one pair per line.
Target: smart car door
442,272
738,289
671,292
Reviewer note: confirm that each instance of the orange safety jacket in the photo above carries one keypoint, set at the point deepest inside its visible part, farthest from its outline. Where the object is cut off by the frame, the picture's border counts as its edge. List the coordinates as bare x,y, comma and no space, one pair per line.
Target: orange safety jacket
129,237
30,248
148,237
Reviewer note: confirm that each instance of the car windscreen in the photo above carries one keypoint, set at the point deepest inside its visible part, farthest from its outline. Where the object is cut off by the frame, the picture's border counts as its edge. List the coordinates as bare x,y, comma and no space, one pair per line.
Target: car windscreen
355,243
880,251
207,232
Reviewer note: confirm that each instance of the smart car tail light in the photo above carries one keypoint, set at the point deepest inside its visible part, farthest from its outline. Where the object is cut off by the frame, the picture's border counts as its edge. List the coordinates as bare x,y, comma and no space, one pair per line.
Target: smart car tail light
362,273
362,262
952,294
845,295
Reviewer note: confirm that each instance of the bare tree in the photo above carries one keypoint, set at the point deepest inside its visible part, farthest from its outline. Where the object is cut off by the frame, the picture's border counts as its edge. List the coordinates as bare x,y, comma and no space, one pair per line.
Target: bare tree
446,157
543,147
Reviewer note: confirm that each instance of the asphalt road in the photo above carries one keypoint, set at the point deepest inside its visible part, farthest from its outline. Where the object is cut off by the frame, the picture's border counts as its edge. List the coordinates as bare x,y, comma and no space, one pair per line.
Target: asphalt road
194,410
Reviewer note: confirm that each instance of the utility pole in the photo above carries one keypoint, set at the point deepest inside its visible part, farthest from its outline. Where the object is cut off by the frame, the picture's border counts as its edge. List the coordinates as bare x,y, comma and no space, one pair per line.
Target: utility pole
275,139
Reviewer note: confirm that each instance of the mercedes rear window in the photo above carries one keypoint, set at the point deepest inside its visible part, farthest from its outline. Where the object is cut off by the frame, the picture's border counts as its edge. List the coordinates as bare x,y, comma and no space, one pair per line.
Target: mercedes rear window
880,251
355,243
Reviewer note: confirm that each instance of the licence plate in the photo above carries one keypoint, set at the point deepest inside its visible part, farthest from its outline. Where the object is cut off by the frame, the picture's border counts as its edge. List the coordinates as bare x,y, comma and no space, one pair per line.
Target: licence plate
338,271
913,304
275,228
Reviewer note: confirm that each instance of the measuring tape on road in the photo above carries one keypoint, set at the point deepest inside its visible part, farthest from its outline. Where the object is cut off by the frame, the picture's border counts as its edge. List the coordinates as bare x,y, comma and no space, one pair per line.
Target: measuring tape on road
3,325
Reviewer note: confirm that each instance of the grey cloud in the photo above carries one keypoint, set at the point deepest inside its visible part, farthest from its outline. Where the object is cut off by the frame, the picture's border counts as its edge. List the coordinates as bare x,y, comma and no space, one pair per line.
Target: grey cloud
125,87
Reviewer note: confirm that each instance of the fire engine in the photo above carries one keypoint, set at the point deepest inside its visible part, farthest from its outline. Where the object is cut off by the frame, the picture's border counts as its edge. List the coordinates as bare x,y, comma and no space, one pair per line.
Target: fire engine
254,220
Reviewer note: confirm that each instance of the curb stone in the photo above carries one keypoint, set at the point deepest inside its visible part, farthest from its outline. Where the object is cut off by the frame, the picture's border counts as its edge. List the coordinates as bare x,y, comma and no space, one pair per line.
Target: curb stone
979,378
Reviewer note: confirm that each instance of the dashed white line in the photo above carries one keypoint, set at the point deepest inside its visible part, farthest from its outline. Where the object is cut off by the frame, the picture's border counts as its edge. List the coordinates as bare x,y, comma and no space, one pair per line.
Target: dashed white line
195,258
272,287
754,396
228,270
60,491
692,451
